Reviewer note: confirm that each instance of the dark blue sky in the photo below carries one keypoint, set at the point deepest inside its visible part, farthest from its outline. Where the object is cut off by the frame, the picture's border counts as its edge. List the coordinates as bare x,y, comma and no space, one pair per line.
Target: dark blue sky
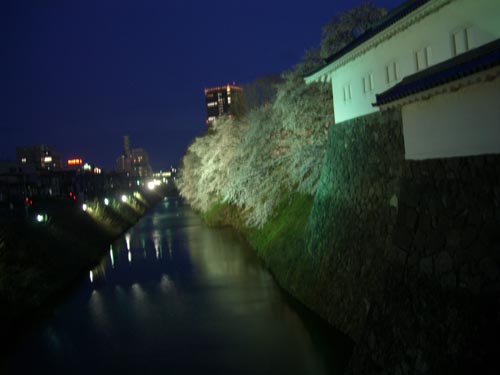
80,74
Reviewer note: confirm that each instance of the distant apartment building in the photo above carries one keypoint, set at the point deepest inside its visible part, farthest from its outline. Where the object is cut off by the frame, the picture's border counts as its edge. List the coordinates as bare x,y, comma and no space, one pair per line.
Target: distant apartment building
223,100
123,162
135,162
38,157
140,163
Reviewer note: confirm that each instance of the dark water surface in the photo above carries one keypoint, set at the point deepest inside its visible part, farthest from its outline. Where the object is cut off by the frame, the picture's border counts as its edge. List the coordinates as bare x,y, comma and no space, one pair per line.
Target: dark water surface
173,296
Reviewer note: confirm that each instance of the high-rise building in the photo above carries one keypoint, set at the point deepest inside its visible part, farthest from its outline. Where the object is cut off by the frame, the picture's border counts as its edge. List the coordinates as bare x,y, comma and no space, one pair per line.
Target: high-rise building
123,162
140,163
38,157
135,162
223,100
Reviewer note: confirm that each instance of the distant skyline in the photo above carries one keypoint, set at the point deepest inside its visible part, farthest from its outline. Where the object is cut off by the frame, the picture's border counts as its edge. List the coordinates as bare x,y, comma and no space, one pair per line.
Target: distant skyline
79,75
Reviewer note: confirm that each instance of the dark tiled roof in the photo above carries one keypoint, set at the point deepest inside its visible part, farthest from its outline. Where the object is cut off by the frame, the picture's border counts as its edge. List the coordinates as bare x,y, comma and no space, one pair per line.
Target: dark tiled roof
393,16
474,61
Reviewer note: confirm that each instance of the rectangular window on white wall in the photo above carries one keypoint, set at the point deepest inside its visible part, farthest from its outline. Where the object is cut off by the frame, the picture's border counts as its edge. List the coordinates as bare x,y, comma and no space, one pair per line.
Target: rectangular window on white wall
391,72
462,40
347,92
368,83
423,58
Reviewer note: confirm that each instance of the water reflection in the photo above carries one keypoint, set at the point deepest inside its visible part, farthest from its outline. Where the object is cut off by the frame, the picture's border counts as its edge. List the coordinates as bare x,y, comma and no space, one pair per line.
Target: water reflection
157,242
208,307
111,256
165,284
169,241
127,240
98,311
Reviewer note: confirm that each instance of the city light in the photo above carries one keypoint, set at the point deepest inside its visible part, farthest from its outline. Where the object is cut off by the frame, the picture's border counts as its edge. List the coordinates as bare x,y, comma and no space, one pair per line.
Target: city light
75,162
106,201
41,218
84,207
124,198
151,185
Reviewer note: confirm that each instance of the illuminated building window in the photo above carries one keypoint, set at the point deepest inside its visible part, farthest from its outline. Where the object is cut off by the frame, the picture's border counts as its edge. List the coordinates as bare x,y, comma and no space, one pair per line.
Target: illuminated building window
368,83
347,92
228,100
23,160
423,58
391,72
462,40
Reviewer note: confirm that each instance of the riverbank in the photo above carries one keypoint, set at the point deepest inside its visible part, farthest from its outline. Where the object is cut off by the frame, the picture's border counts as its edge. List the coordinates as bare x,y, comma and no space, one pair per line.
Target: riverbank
39,261
402,256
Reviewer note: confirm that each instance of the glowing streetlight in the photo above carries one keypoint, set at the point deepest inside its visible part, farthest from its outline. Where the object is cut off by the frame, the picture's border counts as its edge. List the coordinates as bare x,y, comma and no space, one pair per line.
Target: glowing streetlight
124,198
39,218
106,201
84,207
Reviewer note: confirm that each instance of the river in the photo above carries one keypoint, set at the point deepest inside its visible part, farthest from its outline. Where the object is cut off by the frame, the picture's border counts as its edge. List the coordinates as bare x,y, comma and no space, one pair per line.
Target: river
173,296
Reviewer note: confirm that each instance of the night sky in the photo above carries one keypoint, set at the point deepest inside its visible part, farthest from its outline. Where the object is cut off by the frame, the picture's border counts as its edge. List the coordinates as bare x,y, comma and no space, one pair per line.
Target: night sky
80,74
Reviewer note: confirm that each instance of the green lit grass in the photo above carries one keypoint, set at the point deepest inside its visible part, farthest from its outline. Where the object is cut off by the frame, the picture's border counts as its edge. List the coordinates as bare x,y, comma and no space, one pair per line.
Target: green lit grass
286,228
223,214
281,245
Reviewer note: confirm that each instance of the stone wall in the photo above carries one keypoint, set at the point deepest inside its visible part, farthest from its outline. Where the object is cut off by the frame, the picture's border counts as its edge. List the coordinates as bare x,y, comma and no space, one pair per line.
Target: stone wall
441,312
407,253
352,219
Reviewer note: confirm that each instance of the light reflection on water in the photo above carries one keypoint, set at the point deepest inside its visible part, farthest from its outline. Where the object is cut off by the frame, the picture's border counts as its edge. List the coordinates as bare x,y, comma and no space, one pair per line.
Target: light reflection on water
207,307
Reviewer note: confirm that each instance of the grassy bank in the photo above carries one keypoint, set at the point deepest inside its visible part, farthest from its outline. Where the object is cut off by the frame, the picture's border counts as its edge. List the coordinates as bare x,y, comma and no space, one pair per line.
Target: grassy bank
279,243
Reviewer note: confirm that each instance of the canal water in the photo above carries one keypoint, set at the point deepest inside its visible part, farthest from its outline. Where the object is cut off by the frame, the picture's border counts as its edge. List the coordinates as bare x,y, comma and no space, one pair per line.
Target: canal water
173,296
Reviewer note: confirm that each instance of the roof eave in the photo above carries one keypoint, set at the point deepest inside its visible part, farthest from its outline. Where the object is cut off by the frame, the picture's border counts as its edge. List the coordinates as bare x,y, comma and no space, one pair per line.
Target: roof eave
321,75
357,47
486,75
